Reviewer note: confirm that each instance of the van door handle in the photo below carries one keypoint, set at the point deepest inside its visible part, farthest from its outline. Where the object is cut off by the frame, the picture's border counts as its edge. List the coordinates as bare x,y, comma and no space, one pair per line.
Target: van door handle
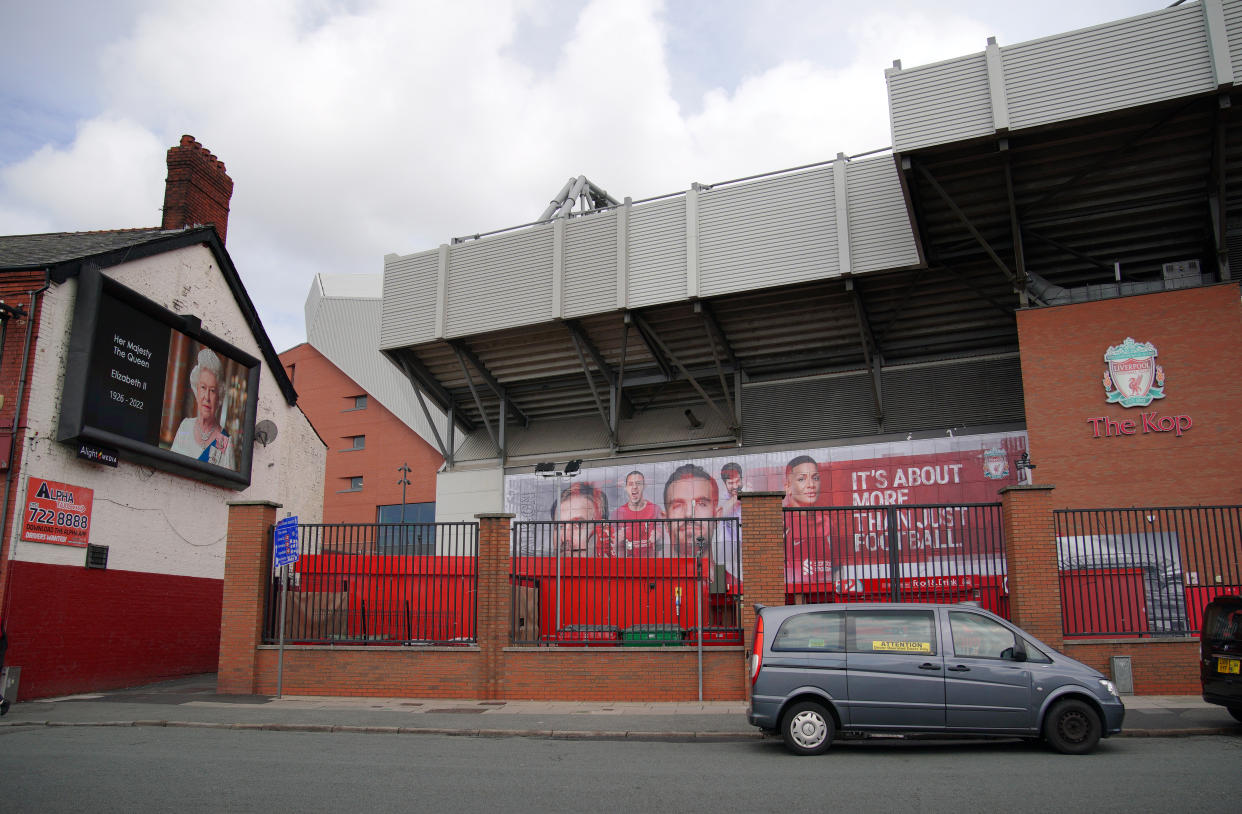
961,668
927,665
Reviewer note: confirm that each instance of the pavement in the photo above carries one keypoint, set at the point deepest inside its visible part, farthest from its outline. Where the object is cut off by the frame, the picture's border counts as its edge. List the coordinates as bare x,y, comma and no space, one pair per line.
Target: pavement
192,701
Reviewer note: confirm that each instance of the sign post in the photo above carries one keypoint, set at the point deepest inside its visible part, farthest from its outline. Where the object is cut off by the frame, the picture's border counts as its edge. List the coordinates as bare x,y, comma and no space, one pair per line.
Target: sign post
285,553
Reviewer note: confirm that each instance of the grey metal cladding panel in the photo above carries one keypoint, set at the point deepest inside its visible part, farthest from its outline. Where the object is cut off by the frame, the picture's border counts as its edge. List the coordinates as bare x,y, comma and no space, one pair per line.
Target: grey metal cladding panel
808,410
409,311
590,265
1127,63
940,103
770,232
1233,27
657,253
346,330
881,236
500,282
969,393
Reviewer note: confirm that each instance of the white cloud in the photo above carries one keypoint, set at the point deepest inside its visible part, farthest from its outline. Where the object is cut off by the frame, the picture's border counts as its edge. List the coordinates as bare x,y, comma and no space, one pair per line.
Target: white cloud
111,177
354,129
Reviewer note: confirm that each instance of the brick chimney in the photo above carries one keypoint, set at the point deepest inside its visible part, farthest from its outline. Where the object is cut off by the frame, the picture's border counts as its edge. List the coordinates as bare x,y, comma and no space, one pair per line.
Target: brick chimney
198,189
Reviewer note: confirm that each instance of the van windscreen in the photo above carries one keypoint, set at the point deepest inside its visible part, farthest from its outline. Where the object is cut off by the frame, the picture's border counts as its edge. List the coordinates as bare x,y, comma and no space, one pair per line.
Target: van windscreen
1222,621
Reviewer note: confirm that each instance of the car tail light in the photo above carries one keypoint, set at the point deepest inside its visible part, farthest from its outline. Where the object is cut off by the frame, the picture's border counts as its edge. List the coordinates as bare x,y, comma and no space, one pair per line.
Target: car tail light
756,653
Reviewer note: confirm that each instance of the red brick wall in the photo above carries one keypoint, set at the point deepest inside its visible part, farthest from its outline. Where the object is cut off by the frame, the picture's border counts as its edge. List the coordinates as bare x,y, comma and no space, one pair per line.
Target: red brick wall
377,672
1062,369
623,674
326,395
1031,552
74,629
247,574
1159,667
1195,332
763,553
14,290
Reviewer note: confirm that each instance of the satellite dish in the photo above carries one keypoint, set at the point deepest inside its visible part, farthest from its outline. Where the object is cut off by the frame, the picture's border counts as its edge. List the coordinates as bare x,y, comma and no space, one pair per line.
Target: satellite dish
265,432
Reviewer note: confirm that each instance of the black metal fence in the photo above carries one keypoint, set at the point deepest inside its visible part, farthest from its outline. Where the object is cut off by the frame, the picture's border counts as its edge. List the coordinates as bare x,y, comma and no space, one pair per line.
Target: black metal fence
381,584
1145,572
626,583
910,553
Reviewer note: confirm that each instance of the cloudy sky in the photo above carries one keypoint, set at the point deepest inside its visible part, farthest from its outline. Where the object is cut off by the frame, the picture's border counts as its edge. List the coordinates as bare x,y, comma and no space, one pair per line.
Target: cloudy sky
356,128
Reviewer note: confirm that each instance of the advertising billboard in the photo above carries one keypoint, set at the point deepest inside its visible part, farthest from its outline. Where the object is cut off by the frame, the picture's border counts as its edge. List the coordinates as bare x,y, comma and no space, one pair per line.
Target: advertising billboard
923,507
155,386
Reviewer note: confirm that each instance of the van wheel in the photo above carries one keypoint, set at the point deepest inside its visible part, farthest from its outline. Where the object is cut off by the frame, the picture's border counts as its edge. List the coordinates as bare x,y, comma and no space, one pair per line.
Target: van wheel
807,728
1072,727
1236,712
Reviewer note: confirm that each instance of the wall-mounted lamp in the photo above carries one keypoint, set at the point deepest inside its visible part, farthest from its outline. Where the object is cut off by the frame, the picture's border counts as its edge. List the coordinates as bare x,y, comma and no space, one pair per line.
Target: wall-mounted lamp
1023,464
549,469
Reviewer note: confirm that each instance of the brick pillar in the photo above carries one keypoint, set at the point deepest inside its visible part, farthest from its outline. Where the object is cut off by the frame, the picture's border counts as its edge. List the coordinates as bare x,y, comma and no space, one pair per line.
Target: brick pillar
763,555
247,574
494,597
1031,550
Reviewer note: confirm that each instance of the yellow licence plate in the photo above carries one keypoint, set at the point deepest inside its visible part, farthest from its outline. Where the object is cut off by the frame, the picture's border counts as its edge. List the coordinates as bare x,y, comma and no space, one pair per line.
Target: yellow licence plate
1228,665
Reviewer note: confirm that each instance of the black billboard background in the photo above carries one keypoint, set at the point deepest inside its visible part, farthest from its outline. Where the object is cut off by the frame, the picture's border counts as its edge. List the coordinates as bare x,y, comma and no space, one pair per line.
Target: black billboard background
125,378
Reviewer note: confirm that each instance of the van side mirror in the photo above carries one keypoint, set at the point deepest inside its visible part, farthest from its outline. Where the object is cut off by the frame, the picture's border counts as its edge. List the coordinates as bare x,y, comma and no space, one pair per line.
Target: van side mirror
1015,653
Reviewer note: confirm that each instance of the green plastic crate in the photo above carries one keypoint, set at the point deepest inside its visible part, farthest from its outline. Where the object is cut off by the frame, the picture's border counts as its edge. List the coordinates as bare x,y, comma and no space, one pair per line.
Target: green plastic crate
651,636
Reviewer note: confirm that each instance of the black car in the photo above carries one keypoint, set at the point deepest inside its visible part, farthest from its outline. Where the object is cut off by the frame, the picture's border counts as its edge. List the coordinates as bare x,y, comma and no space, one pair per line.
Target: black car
1220,651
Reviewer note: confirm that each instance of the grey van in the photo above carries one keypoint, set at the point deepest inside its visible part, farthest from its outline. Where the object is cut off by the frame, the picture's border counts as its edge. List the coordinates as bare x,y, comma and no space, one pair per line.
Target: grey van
910,667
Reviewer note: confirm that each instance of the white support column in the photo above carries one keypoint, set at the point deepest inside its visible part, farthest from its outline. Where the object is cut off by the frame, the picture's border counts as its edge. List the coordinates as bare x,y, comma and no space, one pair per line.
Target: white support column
558,268
839,178
692,241
1218,42
623,253
442,291
996,87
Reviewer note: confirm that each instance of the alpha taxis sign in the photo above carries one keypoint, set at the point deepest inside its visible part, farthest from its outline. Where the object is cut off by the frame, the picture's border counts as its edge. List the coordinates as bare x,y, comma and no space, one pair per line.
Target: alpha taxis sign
1133,378
57,513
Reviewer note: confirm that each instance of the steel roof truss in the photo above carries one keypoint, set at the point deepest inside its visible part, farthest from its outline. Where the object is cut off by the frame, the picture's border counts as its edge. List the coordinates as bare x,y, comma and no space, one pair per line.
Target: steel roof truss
712,329
445,451
1015,225
970,227
465,372
599,403
868,344
652,342
646,331
1217,198
463,352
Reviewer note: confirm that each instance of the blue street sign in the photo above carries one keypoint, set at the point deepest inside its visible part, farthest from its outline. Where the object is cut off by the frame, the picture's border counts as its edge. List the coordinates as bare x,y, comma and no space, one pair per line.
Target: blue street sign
285,539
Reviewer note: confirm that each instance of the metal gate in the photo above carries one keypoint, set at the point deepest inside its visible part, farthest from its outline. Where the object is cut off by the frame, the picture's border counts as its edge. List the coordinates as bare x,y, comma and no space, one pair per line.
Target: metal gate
901,553
380,584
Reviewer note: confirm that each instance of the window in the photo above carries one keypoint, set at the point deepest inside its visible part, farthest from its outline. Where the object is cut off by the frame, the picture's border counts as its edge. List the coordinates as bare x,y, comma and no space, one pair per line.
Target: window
892,632
414,513
356,442
353,484
417,536
359,402
980,637
817,632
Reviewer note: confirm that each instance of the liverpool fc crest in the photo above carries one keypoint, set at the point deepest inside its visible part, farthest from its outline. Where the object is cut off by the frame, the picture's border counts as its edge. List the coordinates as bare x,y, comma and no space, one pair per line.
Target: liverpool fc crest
995,464
1133,378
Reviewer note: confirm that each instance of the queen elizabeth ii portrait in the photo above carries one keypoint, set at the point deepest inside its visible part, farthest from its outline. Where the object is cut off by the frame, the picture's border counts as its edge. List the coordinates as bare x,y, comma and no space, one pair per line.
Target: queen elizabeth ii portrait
201,435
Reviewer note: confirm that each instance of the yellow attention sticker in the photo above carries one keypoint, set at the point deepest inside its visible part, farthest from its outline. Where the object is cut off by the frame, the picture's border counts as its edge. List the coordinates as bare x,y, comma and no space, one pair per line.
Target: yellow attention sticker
902,647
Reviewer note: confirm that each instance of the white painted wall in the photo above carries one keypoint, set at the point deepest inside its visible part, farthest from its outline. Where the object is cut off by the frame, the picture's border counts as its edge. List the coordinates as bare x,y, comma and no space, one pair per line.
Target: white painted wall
151,520
463,493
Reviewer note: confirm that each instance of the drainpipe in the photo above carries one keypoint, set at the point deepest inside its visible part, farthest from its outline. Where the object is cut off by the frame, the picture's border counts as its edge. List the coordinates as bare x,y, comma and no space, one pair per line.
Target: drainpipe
17,412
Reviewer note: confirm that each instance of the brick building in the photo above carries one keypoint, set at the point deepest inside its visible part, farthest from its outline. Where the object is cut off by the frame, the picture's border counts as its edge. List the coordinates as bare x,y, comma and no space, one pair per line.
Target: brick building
113,536
367,445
